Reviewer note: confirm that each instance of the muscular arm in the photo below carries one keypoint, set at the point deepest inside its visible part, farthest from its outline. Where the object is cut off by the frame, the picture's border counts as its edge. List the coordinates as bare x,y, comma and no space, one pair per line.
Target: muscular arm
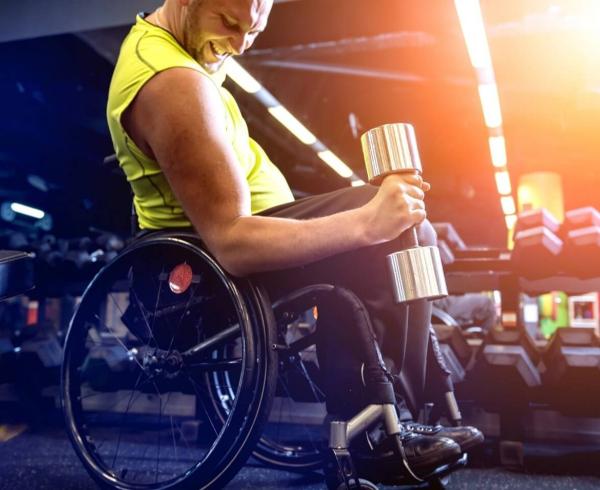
177,118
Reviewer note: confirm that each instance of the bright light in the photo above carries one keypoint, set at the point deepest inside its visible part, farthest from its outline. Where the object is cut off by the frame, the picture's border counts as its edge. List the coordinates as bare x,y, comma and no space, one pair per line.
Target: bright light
508,205
292,124
471,23
335,163
239,75
511,220
27,211
498,151
357,183
503,183
490,103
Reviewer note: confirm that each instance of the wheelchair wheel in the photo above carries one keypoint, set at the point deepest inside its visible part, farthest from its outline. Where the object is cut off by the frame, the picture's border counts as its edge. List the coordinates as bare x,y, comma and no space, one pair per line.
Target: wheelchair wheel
162,340
295,435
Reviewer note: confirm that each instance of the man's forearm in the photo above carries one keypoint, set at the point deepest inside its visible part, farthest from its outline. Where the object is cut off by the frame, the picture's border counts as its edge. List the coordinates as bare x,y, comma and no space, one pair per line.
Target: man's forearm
259,243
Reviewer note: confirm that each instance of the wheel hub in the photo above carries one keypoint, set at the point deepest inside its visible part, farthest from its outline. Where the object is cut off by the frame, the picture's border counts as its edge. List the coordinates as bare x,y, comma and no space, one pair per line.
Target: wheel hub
163,363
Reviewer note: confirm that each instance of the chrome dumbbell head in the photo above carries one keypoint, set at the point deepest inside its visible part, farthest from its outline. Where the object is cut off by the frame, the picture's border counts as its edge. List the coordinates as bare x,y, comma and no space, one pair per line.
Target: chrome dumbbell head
416,272
390,148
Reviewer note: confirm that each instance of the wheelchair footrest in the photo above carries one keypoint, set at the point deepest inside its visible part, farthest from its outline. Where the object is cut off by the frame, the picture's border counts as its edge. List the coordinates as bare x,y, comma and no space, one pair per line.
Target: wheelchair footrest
436,475
340,473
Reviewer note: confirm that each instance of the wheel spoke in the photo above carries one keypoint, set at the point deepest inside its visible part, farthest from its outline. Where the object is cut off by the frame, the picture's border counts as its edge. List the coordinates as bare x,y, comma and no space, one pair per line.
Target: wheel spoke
216,365
304,429
124,417
118,340
313,387
176,329
141,307
198,394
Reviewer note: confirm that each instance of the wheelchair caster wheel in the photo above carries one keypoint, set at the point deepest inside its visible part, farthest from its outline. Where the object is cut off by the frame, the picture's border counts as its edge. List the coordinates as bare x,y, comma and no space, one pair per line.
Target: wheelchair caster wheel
363,485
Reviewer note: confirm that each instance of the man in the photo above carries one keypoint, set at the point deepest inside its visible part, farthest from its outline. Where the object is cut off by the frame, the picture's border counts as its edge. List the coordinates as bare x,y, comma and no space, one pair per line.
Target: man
185,149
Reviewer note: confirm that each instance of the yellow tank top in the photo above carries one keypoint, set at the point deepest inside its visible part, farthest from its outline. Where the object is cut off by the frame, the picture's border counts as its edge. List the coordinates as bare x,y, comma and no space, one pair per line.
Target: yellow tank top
146,51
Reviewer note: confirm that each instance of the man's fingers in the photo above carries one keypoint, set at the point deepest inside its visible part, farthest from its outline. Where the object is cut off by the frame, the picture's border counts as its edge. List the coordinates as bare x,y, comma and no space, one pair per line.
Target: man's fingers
415,192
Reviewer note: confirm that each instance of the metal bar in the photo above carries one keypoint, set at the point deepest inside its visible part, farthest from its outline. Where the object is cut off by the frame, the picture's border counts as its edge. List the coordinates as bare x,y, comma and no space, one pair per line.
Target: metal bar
215,340
216,365
339,69
386,40
303,343
364,420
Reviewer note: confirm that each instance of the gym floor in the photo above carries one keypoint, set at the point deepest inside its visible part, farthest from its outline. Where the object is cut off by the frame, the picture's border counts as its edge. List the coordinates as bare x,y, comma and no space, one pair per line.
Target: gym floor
44,459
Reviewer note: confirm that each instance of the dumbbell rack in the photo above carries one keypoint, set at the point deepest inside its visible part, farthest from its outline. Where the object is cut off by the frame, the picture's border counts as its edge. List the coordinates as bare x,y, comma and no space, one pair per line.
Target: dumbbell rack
476,270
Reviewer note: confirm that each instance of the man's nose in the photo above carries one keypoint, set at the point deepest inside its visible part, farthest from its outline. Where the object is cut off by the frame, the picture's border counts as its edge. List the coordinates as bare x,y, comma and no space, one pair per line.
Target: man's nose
240,43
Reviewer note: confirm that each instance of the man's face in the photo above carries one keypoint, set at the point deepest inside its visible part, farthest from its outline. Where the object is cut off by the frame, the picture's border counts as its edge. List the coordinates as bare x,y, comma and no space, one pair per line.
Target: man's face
217,29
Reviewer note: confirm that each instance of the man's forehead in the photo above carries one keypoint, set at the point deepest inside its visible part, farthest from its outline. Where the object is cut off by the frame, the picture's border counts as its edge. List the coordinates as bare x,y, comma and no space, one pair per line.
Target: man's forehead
254,13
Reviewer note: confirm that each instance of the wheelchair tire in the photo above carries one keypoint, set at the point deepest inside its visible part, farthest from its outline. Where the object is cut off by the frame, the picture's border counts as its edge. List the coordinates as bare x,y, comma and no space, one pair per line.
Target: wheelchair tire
143,363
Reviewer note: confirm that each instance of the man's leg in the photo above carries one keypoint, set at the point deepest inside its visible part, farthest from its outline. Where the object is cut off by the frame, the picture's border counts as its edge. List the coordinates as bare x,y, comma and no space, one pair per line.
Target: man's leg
403,340
402,334
402,331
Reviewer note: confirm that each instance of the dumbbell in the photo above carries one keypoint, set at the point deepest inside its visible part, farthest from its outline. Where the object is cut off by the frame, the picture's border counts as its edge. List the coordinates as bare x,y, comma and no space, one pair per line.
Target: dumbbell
537,245
416,272
581,233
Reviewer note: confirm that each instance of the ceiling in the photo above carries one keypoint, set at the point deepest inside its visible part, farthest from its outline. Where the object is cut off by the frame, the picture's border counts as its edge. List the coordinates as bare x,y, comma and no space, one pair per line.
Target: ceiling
341,67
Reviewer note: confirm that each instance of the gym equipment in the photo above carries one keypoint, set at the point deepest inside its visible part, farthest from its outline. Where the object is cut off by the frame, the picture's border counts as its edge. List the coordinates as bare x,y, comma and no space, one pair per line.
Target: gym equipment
449,242
581,233
416,272
447,233
572,362
536,243
16,273
453,345
7,374
505,379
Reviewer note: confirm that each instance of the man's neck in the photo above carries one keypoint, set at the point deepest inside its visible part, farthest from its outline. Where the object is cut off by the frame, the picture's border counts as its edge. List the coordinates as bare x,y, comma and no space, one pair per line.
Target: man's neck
163,17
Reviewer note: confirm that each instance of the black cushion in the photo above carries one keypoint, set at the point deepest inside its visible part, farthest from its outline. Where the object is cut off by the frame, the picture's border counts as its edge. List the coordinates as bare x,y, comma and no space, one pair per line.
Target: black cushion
16,273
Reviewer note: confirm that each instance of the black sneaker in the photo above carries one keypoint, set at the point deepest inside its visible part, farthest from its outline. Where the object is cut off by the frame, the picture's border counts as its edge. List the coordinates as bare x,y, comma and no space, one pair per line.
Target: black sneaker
465,436
424,454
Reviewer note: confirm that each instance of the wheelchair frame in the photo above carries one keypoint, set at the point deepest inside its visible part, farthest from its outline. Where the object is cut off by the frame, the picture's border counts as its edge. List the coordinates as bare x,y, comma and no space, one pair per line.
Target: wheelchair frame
241,426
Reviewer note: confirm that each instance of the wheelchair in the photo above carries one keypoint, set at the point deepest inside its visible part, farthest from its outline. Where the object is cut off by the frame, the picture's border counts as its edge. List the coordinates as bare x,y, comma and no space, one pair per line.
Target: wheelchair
174,373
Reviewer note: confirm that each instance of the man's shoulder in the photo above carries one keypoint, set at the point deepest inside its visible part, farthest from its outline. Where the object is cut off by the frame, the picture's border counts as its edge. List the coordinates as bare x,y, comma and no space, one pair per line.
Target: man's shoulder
157,50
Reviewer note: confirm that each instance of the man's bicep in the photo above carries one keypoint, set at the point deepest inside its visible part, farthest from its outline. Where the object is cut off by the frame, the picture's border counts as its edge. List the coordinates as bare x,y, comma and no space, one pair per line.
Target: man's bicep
186,131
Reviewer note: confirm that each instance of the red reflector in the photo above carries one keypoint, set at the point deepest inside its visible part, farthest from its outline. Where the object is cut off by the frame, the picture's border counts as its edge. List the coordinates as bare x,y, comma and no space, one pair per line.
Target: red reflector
180,278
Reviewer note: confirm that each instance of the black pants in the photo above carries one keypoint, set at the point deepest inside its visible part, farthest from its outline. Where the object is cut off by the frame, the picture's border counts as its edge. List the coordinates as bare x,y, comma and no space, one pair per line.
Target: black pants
402,331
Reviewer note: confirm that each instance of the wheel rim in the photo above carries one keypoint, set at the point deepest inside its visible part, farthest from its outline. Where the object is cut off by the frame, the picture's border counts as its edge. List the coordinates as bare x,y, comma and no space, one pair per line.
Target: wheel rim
131,403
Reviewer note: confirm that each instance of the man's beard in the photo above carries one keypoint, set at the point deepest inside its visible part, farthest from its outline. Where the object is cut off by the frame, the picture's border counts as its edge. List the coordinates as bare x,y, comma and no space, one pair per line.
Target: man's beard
198,50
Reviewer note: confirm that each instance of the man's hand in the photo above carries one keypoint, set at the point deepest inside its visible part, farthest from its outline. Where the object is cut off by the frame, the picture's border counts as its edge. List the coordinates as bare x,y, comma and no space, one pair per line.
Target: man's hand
397,206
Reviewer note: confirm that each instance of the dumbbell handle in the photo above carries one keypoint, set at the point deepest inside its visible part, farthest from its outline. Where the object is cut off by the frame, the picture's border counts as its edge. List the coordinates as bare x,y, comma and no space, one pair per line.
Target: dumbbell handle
412,241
